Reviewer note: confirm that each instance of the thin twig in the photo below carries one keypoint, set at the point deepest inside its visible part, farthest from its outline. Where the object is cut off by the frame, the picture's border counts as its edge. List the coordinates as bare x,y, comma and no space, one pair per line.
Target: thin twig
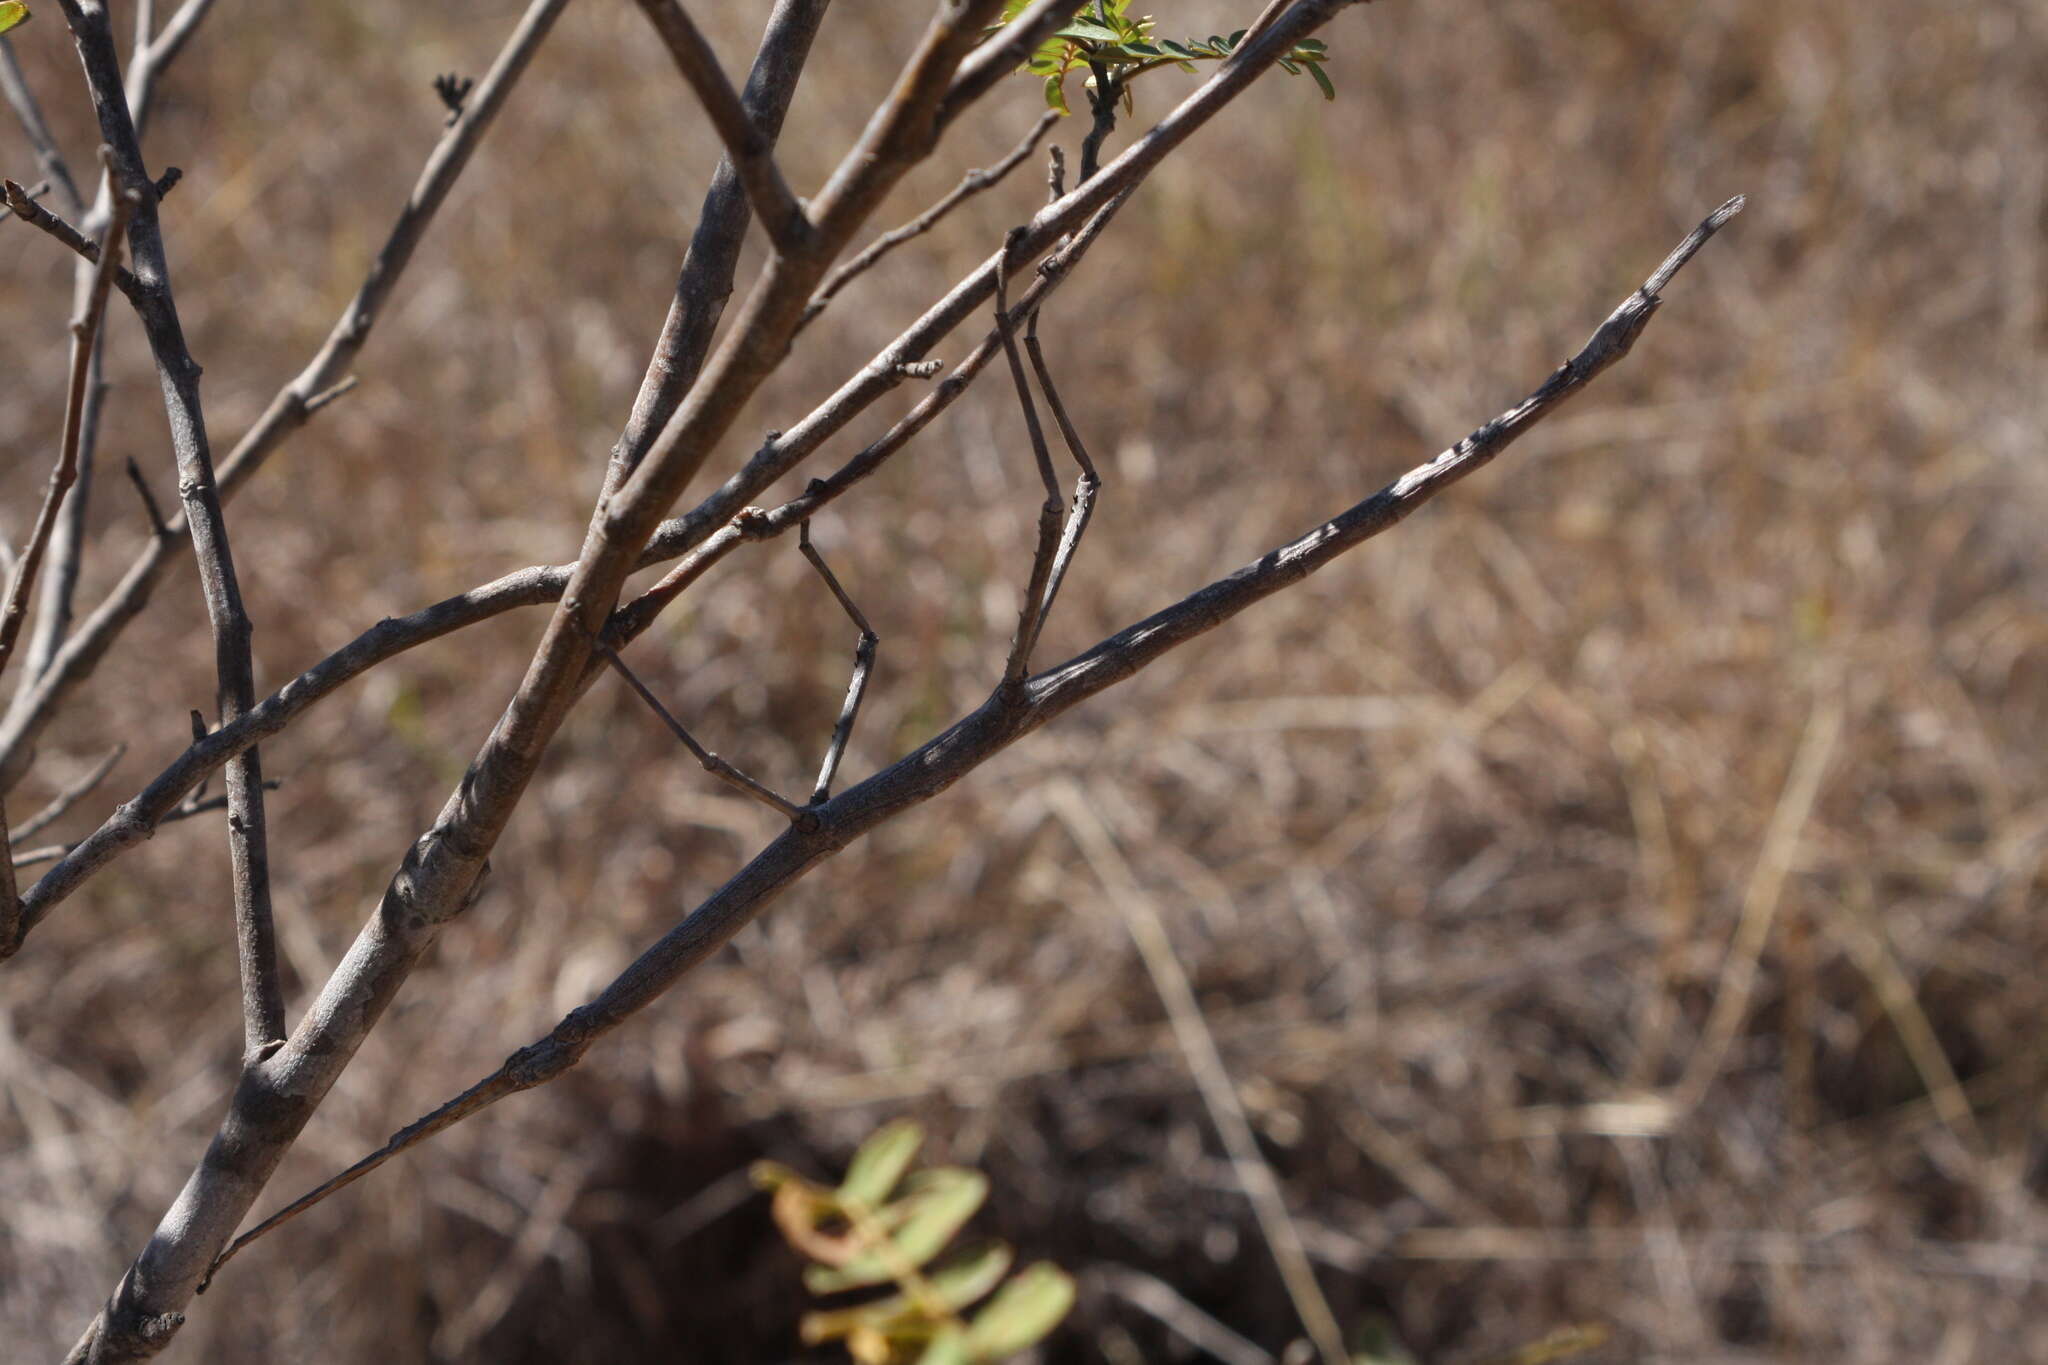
985,732
713,764
185,811
1032,611
84,345
751,151
442,869
293,404
973,183
35,215
48,156
71,795
863,665
178,374
131,822
84,333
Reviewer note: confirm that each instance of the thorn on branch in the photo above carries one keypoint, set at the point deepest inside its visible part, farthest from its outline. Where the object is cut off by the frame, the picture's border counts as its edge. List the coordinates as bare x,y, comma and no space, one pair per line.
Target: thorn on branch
165,182
453,90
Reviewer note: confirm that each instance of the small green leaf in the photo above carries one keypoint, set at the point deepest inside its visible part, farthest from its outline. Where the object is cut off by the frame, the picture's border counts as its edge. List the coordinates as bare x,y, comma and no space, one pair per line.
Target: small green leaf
12,13
948,1346
1312,45
881,1162
1143,49
920,1224
1056,93
1323,79
1289,67
1176,49
1238,36
1088,31
1020,1315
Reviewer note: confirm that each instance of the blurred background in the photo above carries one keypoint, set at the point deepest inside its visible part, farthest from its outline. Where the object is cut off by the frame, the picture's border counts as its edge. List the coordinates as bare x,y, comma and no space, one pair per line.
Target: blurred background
1614,894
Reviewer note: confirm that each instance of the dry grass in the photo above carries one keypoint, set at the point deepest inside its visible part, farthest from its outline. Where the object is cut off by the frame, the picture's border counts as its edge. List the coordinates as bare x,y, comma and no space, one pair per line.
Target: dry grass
1615,895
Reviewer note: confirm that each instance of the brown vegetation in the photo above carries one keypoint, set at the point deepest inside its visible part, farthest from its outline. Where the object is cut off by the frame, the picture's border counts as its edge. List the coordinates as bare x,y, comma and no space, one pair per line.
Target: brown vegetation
1615,895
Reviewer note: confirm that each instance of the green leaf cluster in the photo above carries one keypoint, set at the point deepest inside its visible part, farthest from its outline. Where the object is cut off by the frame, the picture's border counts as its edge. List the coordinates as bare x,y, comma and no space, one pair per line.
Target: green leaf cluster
885,1224
1106,41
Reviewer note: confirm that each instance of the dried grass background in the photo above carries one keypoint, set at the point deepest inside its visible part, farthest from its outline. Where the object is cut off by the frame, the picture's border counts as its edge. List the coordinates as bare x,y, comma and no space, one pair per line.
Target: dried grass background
1725,688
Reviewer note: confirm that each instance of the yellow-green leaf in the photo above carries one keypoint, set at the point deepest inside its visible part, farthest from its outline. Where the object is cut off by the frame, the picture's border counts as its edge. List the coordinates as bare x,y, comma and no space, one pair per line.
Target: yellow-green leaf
12,13
919,1226
1023,1312
881,1162
948,1347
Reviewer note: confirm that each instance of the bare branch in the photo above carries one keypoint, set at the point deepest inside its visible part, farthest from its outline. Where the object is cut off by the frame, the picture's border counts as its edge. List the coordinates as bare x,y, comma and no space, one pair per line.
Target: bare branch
705,281
185,811
973,183
23,101
1004,53
863,665
440,874
751,151
1007,716
296,401
132,822
178,374
84,336
35,215
84,345
71,795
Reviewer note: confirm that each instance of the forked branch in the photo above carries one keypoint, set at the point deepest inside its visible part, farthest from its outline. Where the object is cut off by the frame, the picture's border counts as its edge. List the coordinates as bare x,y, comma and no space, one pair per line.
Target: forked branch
1002,721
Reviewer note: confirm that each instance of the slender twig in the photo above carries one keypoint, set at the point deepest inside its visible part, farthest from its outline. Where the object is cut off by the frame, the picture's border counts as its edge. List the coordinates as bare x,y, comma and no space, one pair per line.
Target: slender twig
48,156
751,151
293,404
178,374
35,215
1004,53
442,870
84,334
1265,20
750,524
973,183
713,764
185,811
863,665
132,821
993,727
71,795
1050,511
85,330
